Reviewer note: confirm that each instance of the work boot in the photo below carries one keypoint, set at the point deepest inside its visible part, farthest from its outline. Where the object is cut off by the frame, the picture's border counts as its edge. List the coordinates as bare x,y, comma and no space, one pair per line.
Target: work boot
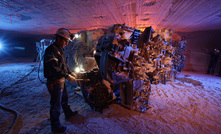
60,129
71,114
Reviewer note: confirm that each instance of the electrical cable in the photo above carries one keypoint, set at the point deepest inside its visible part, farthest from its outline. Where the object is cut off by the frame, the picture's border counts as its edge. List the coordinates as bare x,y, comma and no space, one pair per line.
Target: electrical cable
1,90
17,116
19,79
11,110
39,71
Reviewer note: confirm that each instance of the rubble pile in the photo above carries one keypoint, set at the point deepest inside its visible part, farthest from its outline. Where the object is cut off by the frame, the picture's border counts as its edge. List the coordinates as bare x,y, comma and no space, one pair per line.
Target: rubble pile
121,65
159,54
163,56
179,57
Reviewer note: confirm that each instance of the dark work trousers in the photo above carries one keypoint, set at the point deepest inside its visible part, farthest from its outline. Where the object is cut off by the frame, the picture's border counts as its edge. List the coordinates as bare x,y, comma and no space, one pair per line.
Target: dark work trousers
212,65
59,98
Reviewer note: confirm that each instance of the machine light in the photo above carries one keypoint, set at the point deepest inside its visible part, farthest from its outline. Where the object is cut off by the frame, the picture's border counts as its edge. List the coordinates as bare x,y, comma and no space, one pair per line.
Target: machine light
77,36
77,69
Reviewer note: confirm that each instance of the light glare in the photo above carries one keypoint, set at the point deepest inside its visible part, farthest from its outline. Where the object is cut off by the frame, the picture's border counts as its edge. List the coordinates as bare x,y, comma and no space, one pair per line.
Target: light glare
77,36
94,52
77,69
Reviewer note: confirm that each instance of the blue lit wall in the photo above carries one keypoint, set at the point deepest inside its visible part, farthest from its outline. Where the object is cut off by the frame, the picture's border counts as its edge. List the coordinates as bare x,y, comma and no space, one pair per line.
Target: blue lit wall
19,45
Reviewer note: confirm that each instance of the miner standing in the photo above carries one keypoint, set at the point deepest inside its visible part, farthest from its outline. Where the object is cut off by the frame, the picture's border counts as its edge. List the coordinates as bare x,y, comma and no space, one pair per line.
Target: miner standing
214,56
56,71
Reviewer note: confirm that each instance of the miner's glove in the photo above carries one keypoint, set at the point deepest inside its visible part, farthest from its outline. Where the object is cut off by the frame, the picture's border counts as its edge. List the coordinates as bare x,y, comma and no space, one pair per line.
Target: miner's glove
71,78
74,74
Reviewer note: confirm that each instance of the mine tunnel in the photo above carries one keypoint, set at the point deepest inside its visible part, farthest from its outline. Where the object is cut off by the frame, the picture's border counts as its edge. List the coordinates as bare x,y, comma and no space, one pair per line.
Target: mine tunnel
107,66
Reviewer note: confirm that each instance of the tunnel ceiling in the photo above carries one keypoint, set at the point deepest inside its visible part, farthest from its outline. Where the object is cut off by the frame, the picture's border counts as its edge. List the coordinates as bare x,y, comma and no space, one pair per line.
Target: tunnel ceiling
46,16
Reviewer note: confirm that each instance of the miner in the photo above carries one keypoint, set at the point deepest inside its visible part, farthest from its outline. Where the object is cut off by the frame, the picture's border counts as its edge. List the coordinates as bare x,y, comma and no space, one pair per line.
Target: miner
214,56
56,71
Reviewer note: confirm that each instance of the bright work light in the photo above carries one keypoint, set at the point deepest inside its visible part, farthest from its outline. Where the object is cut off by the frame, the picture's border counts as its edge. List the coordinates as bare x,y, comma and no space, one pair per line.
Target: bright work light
77,69
77,36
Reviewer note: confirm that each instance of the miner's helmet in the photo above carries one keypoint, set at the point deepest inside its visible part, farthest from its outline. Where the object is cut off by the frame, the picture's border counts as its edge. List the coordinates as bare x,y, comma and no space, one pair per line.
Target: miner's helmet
65,33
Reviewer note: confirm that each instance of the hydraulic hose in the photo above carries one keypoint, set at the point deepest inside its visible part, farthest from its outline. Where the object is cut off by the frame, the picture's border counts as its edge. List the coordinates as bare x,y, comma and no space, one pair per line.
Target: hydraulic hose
13,128
14,125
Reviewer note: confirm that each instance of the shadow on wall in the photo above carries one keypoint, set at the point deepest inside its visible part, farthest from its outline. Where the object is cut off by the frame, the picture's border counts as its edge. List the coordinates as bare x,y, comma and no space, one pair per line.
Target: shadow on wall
197,57
188,64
